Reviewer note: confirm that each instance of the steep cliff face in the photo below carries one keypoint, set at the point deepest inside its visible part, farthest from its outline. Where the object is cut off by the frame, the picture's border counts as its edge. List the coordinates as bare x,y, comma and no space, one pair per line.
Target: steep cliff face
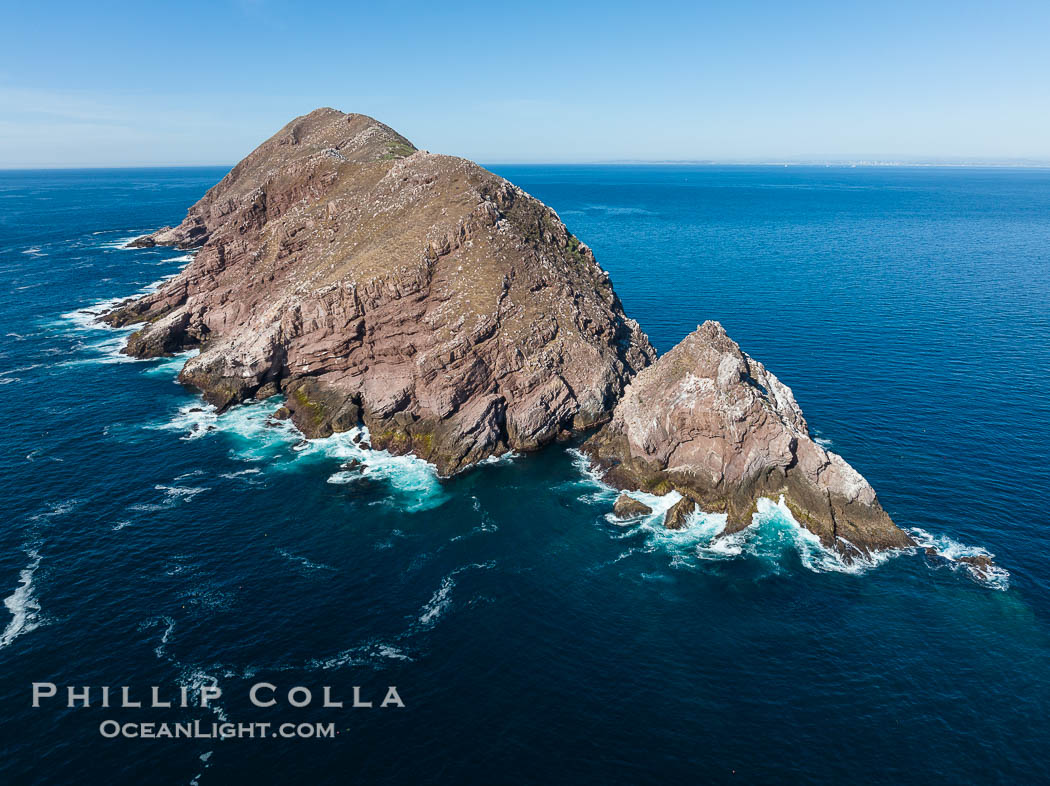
369,281
715,425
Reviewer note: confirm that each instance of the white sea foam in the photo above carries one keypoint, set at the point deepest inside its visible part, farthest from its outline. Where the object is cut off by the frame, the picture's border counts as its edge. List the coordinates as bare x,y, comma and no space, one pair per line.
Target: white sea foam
195,678
371,652
582,462
388,543
55,510
438,603
951,550
206,762
173,495
619,210
23,603
441,600
167,634
414,481
11,371
86,318
486,525
773,530
306,564
122,242
208,597
251,476
193,420
505,458
110,341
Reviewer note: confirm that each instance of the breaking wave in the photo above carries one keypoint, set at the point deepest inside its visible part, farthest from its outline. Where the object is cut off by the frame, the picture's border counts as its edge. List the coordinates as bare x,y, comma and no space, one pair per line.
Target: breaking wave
441,600
772,533
307,565
949,552
373,651
23,603
173,495
415,481
120,243
258,437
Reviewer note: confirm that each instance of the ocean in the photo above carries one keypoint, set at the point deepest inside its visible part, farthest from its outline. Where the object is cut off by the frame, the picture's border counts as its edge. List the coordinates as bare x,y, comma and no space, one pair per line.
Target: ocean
531,638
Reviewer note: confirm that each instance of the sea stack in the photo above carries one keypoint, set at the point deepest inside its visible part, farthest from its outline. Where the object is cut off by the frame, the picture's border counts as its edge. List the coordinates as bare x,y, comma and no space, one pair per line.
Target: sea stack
713,424
446,309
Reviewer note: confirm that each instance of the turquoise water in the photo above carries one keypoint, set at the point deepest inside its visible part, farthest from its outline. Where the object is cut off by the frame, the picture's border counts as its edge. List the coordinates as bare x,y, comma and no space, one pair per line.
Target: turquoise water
148,542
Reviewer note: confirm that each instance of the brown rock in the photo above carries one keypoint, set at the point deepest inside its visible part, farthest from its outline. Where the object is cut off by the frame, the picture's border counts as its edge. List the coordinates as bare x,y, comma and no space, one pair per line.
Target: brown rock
980,565
710,421
266,391
676,517
628,507
446,309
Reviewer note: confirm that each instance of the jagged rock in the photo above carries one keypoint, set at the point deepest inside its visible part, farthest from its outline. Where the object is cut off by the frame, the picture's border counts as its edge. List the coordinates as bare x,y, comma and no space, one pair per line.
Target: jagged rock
980,565
267,390
679,513
421,295
713,423
628,507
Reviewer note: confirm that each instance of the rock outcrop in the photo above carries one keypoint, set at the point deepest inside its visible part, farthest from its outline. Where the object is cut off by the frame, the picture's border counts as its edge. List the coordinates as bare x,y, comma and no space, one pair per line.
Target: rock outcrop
677,517
715,425
627,507
446,309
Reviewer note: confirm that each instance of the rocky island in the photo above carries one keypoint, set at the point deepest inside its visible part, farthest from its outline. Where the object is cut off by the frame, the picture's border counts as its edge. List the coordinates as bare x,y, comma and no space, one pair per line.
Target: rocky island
712,423
446,309
457,318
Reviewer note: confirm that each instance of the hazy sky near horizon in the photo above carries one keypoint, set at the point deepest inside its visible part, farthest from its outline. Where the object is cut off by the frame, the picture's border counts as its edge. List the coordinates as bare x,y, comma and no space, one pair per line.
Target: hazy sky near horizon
130,84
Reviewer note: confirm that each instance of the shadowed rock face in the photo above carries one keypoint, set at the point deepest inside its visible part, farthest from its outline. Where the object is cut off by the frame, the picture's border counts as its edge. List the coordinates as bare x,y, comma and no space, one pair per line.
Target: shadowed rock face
712,423
369,281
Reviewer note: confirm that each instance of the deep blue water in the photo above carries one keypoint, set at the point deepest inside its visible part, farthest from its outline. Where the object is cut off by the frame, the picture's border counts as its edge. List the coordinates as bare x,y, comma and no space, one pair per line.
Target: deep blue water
531,639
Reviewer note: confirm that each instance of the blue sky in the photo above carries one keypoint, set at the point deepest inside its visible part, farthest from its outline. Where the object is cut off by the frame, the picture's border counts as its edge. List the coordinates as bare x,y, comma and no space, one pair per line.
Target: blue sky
112,83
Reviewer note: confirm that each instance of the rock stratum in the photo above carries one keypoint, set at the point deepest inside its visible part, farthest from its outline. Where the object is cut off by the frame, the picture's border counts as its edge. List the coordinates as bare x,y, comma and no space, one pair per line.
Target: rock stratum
446,309
457,318
712,423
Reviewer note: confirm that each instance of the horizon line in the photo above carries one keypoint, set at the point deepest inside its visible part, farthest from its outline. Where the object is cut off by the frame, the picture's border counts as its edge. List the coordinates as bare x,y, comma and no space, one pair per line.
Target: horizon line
859,163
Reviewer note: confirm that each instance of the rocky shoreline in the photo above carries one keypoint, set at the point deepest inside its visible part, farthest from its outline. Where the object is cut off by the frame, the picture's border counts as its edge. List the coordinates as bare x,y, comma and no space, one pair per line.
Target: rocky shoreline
458,319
